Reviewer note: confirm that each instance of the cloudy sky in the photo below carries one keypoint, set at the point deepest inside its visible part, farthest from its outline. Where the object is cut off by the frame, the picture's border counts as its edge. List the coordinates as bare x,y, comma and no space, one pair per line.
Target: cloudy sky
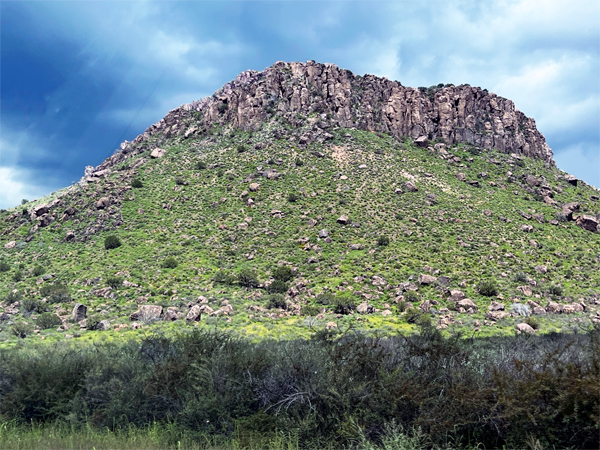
79,77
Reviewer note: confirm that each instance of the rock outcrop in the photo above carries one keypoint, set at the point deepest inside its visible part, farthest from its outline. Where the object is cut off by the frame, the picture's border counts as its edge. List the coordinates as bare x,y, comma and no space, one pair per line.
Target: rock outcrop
453,113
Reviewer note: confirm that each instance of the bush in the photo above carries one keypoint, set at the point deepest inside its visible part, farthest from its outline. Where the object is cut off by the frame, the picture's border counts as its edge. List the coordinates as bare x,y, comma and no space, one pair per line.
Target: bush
344,305
180,181
17,276
412,314
533,322
520,277
383,241
248,278
111,242
114,282
241,148
411,296
13,297
299,162
48,320
38,270
223,277
276,301
488,288
521,309
277,287
325,298
200,165
169,263
283,273
555,290
4,267
292,197
310,310
30,306
20,330
56,293
136,183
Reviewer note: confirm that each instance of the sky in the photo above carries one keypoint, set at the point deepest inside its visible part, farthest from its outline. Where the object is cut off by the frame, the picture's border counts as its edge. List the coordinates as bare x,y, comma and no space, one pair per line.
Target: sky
77,78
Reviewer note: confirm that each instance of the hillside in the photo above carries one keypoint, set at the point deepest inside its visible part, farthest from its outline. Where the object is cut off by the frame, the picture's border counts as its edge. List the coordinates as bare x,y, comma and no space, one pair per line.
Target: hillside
304,197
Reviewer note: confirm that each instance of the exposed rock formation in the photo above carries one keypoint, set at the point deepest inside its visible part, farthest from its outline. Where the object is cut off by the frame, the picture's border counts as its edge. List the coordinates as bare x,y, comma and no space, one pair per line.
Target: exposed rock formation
453,113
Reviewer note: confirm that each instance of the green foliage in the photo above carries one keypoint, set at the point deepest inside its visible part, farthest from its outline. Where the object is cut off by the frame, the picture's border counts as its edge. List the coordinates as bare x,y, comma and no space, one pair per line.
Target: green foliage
4,267
276,301
533,322
137,183
488,288
21,330
412,314
325,298
200,165
17,276
180,181
56,293
241,148
223,277
30,306
114,281
38,270
411,296
283,273
111,242
169,263
13,297
555,290
277,287
292,197
520,277
344,304
299,162
310,310
248,278
24,201
383,241
48,320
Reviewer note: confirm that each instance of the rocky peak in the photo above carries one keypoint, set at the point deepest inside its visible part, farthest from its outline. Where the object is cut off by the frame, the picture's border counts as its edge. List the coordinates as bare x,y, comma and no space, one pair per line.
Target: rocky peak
339,98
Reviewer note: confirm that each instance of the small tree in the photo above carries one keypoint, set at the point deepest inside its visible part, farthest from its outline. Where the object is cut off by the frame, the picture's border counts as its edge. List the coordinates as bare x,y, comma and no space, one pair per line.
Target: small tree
137,183
114,282
200,165
383,241
283,273
4,267
248,278
277,287
48,320
488,288
169,263
276,301
111,242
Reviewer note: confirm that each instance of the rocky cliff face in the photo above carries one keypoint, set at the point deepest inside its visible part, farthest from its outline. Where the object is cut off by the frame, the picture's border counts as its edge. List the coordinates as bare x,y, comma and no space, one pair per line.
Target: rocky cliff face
292,90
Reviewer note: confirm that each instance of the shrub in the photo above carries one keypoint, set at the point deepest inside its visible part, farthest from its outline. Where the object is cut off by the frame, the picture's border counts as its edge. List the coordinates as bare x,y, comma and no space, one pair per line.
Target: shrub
13,297
520,277
114,282
412,296
248,278
24,201
399,216
38,270
169,263
283,273
200,165
277,287
488,288
299,162
56,293
533,322
17,276
383,241
20,330
555,290
521,309
111,242
223,277
310,310
48,320
344,304
241,148
325,298
136,183
292,197
220,173
91,322
276,301
30,306
412,314
179,181
4,267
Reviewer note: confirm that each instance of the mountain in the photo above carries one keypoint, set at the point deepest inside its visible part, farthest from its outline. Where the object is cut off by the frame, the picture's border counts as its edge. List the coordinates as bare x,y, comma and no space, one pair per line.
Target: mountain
304,197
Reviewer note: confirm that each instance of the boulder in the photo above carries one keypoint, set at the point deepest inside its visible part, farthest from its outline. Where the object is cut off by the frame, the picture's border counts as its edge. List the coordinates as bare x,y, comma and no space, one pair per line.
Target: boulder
465,303
532,181
171,314
527,228
409,186
553,308
456,295
589,223
525,290
10,245
157,153
194,314
103,203
425,306
496,306
496,315
103,325
569,208
356,246
40,210
427,279
343,219
524,328
364,308
323,234
571,179
79,312
147,313
254,187
461,176
378,281
422,141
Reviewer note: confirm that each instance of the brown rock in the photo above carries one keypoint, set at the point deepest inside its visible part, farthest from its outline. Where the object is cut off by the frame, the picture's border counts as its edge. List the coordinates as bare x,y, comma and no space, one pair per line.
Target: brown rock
496,306
343,219
147,313
103,203
589,223
461,176
79,312
569,208
157,153
524,328
525,290
422,141
427,279
410,186
465,303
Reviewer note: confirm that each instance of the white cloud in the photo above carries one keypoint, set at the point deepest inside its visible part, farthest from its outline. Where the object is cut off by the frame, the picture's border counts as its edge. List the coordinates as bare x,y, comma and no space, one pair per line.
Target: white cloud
16,184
